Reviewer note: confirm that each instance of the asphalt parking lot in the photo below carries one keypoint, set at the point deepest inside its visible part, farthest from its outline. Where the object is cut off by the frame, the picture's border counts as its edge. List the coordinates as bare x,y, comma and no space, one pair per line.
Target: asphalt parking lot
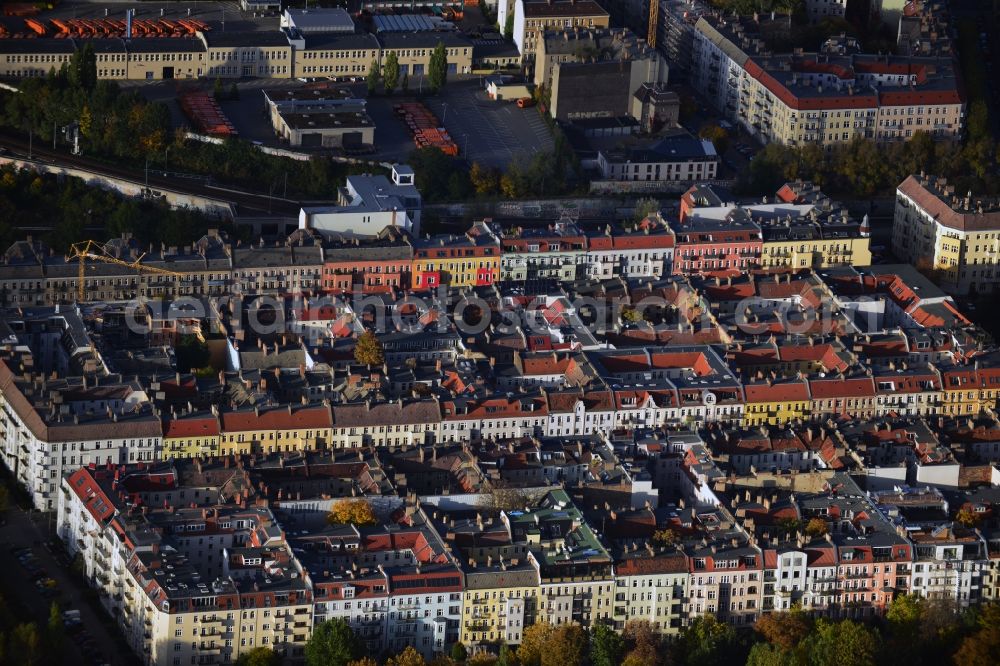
490,132
25,556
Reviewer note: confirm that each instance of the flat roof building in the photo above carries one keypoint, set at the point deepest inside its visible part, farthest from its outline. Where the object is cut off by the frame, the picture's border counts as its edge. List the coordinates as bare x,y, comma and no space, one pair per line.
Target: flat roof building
368,204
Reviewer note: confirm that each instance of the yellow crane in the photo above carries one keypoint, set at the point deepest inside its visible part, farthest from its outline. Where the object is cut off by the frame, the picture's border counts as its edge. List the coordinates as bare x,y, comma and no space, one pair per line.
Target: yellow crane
654,16
95,251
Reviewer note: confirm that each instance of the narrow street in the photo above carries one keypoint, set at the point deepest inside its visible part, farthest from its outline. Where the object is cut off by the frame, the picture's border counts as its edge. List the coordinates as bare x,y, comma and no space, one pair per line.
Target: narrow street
21,530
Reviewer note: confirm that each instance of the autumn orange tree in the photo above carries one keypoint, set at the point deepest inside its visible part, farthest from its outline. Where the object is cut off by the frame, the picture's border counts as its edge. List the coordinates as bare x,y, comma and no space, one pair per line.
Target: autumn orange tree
983,647
368,350
967,517
546,645
354,511
408,657
816,527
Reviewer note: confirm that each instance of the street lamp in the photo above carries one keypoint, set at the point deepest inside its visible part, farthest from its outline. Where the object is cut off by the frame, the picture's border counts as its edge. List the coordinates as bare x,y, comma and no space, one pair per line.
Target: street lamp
166,152
444,114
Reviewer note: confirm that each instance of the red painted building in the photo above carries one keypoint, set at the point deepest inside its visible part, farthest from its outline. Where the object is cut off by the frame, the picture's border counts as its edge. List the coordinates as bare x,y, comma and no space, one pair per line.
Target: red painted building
708,244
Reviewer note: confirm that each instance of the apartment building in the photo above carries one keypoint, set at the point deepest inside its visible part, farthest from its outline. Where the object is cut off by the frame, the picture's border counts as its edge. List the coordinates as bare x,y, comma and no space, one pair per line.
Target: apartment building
717,239
533,18
557,253
294,266
499,602
50,427
950,562
575,569
590,73
369,266
674,159
774,402
800,228
191,435
174,604
955,237
472,259
277,429
398,423
32,274
827,97
395,587
652,586
645,251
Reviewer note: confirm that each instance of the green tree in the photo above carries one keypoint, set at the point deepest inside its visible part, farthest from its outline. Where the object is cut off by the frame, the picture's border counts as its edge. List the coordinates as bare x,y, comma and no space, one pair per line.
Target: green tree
435,174
333,643
234,91
982,647
217,90
903,619
607,647
373,77
405,85
644,208
390,72
26,643
459,187
506,656
708,642
83,68
765,654
508,27
437,70
368,350
55,634
459,653
191,353
259,656
844,643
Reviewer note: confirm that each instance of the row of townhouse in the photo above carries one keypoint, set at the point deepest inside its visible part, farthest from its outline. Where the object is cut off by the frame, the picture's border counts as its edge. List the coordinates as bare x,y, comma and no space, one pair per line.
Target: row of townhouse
50,426
829,98
440,570
872,546
801,229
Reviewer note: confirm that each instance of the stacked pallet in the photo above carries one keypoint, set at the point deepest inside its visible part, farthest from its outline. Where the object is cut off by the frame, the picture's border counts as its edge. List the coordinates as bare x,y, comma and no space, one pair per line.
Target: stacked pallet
107,27
425,128
204,112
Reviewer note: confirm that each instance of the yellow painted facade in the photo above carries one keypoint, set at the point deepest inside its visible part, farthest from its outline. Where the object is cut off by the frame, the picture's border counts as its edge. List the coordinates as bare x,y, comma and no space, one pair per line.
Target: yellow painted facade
190,447
776,412
491,615
817,253
276,430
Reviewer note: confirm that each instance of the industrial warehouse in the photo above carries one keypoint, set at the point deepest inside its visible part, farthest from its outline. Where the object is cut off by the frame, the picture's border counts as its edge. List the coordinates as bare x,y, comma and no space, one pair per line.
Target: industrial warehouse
131,49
